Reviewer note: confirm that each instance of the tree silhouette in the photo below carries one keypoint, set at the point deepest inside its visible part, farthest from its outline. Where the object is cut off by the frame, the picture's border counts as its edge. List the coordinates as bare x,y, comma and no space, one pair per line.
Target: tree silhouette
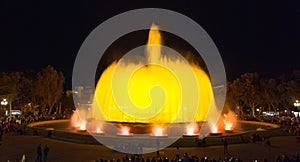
270,94
244,91
10,86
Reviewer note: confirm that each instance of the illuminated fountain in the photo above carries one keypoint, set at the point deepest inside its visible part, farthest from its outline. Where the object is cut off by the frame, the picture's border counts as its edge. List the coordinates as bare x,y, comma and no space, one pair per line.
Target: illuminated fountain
115,120
142,81
142,91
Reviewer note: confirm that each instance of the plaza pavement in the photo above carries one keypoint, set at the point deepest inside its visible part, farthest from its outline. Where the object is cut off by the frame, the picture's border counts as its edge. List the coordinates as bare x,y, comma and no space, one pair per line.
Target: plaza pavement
13,147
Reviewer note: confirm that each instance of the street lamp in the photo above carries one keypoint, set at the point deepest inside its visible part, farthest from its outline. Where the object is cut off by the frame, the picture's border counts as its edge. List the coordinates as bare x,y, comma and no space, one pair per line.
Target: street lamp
297,104
3,103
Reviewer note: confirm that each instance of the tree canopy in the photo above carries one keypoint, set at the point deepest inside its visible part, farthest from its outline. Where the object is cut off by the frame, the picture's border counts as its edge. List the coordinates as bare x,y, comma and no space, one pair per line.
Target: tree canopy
250,91
33,92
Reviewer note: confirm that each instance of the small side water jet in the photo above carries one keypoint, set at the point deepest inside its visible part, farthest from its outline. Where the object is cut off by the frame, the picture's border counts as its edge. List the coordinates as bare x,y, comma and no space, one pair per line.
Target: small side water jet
95,128
230,121
82,122
82,127
158,131
192,130
99,131
77,122
124,131
226,124
215,131
228,127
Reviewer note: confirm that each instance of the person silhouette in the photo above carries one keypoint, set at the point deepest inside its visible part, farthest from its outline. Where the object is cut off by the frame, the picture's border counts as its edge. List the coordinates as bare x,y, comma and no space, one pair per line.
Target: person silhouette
177,153
46,150
225,143
39,153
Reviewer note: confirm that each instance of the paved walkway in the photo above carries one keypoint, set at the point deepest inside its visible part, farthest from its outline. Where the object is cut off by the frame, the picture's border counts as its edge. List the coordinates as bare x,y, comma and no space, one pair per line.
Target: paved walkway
13,147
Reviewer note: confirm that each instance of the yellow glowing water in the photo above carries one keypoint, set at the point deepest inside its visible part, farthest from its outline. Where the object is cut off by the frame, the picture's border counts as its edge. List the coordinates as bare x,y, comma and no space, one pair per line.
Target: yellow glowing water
152,93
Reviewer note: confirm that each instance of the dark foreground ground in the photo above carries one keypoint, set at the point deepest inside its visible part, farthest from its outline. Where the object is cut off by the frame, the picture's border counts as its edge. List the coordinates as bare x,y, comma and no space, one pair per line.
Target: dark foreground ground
13,147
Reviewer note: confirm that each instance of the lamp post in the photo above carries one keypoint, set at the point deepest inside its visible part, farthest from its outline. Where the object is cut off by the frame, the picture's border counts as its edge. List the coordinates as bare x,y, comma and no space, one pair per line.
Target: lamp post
297,104
257,111
3,103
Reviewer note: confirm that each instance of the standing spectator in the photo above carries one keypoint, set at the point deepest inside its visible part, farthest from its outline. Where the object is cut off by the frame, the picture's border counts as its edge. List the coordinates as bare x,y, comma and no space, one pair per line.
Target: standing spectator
39,153
268,142
1,133
140,148
242,139
185,158
49,133
158,147
203,142
225,143
177,153
46,150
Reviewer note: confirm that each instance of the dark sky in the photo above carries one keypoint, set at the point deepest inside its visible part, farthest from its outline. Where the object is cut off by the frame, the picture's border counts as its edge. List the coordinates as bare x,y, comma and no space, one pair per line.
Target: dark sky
252,36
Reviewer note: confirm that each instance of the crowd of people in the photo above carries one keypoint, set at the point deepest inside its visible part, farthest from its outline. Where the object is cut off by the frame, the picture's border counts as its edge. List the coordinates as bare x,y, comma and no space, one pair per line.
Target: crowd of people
292,123
17,124
184,158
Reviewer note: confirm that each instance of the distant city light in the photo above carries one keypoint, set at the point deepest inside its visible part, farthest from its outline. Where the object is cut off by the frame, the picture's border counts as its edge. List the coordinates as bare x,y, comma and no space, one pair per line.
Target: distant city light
4,102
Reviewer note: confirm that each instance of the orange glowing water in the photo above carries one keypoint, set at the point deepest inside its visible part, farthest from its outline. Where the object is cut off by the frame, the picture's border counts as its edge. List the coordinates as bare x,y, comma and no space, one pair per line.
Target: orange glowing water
158,106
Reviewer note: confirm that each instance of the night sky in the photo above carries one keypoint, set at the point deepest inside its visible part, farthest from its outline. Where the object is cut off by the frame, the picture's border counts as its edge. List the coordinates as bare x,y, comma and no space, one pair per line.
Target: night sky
252,36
